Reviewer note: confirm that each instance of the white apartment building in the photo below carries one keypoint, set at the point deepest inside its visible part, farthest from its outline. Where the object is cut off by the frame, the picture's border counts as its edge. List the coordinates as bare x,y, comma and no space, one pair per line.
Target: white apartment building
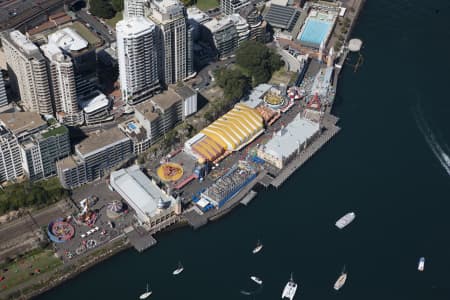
10,159
63,85
3,98
28,70
175,40
138,60
133,8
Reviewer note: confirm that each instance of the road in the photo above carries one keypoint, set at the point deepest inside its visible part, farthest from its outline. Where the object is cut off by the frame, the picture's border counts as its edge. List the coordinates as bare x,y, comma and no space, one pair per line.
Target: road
102,30
203,79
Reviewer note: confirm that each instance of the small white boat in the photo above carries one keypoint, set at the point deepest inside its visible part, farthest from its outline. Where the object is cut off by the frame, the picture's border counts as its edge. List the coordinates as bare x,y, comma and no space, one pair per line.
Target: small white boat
178,270
289,290
341,280
258,247
146,294
256,279
421,265
345,220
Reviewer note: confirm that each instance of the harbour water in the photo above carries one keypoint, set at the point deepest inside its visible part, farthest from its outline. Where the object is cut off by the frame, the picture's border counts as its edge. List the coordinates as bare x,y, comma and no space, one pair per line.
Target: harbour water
390,164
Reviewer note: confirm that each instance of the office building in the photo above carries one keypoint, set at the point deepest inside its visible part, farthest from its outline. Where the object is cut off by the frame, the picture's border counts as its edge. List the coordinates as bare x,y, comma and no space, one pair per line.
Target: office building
133,8
28,72
138,60
175,46
3,98
94,157
230,7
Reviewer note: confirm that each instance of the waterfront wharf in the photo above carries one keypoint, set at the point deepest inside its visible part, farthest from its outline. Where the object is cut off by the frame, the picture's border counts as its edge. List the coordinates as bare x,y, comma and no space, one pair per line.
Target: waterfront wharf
140,241
266,180
249,197
330,131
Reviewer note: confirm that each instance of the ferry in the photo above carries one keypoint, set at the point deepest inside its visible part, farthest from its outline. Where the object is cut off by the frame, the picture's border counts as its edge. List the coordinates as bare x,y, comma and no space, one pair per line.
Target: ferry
178,270
258,247
421,265
146,294
341,280
345,220
289,290
256,279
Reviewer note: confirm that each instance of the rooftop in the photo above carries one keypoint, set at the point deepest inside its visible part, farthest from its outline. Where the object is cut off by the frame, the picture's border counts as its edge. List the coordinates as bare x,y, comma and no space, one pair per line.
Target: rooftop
98,102
197,15
257,94
99,139
134,26
54,131
68,39
183,90
67,163
283,17
165,100
147,110
19,122
140,192
288,139
219,23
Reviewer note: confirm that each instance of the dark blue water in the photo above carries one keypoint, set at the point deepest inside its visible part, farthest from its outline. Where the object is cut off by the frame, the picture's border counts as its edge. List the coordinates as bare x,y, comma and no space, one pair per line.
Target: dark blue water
387,164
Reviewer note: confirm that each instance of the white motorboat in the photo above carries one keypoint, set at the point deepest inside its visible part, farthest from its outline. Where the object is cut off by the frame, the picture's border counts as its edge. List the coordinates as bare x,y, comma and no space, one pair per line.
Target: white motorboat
146,294
178,270
341,280
345,220
290,289
256,279
421,265
258,247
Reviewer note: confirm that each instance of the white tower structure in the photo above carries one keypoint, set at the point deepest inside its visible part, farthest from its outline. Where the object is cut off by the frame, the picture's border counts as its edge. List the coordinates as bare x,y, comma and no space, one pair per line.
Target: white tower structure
138,60
133,8
3,98
175,38
63,85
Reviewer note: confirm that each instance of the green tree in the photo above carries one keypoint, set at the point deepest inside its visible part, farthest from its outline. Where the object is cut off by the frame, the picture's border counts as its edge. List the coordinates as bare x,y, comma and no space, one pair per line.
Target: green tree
258,60
117,5
234,84
102,9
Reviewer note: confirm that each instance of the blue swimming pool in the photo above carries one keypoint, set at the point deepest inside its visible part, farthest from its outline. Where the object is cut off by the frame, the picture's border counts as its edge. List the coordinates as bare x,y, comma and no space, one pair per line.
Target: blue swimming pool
315,32
132,126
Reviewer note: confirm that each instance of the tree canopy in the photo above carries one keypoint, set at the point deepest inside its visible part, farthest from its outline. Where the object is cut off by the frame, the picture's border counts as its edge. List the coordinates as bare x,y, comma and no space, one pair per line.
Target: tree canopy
28,194
258,60
102,8
117,5
233,82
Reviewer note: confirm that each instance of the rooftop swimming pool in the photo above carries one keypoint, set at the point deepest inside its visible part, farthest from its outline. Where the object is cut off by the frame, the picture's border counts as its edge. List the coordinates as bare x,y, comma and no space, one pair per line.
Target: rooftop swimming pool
132,126
314,32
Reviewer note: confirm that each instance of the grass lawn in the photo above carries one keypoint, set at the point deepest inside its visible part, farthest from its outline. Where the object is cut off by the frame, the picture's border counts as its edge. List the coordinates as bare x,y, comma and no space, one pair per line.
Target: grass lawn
206,4
282,76
21,269
112,22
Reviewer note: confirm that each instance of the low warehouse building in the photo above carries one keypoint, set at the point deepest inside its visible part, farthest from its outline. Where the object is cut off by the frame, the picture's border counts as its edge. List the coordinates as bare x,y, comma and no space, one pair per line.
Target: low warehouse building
288,141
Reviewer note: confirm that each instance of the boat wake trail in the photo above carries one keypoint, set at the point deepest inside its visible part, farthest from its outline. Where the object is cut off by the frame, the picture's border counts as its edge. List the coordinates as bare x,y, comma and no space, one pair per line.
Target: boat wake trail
431,139
245,293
